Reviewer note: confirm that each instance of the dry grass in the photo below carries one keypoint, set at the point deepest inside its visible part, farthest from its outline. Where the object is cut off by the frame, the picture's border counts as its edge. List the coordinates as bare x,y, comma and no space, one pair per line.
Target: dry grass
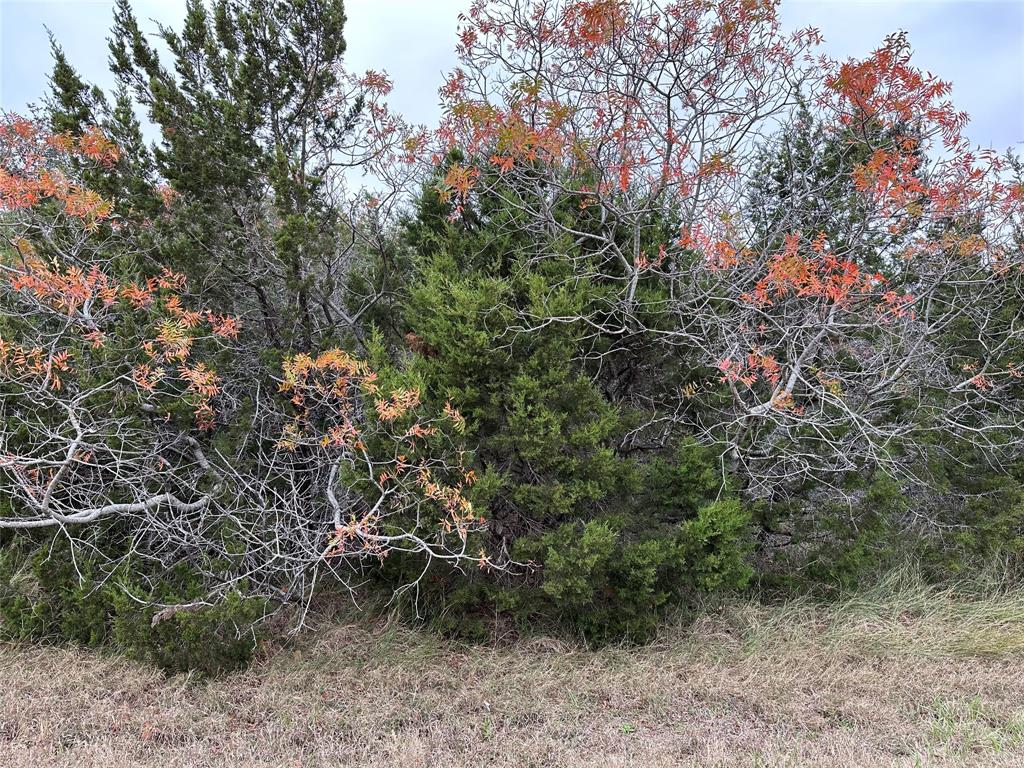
901,676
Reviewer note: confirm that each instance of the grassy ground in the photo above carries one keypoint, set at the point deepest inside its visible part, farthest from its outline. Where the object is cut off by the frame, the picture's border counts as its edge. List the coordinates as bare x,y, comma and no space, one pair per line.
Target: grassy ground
900,676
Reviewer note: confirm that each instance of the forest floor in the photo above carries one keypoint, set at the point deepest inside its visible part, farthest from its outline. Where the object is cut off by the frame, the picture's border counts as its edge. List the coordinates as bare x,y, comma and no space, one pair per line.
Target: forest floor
896,677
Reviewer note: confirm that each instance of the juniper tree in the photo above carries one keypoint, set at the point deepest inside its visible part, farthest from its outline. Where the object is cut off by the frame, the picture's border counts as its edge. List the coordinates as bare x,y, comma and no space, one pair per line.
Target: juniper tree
255,118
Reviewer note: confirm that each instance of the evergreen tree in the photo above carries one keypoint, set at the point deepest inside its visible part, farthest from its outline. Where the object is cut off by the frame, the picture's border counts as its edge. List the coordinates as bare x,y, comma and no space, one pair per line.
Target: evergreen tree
251,116
617,521
74,107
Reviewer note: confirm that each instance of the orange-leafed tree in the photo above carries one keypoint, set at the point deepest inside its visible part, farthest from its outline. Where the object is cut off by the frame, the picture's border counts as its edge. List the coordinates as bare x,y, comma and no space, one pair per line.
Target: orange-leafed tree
839,323
81,348
124,409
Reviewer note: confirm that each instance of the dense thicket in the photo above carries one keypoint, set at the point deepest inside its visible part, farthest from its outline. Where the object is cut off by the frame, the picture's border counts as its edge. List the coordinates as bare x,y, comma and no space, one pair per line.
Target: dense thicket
655,313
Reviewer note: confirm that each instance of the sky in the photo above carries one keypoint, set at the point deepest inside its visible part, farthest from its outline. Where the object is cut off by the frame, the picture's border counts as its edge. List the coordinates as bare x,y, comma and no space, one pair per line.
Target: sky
978,45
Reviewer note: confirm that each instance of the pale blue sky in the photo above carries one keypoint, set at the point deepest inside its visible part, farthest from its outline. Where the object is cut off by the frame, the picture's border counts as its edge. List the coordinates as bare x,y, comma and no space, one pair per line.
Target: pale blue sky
977,44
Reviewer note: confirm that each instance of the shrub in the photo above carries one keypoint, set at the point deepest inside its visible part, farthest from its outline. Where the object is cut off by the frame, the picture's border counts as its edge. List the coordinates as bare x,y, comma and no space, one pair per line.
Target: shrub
610,586
49,593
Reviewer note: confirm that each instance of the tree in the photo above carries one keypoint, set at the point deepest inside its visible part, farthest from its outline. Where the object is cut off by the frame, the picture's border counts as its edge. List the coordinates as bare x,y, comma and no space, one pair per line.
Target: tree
258,121
659,271
821,353
114,416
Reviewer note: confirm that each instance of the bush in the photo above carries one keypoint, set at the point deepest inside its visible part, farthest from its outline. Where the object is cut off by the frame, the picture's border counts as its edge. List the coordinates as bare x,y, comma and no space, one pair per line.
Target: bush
615,536
974,520
49,593
611,587
211,640
574,296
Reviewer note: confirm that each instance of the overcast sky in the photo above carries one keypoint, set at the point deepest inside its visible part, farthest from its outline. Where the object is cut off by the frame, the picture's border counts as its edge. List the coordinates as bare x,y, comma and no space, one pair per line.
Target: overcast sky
976,44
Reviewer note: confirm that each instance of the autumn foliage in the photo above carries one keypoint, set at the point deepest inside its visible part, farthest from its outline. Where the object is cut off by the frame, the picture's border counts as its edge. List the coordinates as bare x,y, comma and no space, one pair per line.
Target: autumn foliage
122,373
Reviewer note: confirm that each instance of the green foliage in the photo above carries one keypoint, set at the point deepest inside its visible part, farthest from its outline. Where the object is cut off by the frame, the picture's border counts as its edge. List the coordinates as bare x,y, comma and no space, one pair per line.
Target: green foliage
615,538
833,548
538,422
610,587
858,542
212,640
249,105
572,399
53,593
985,524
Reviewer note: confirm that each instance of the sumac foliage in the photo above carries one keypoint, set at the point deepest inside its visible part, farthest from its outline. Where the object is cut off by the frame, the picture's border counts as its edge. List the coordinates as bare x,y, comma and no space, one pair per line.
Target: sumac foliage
124,409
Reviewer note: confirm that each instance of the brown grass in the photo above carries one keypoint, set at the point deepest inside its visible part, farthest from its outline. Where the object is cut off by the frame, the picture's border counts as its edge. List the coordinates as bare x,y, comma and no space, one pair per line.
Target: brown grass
902,676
